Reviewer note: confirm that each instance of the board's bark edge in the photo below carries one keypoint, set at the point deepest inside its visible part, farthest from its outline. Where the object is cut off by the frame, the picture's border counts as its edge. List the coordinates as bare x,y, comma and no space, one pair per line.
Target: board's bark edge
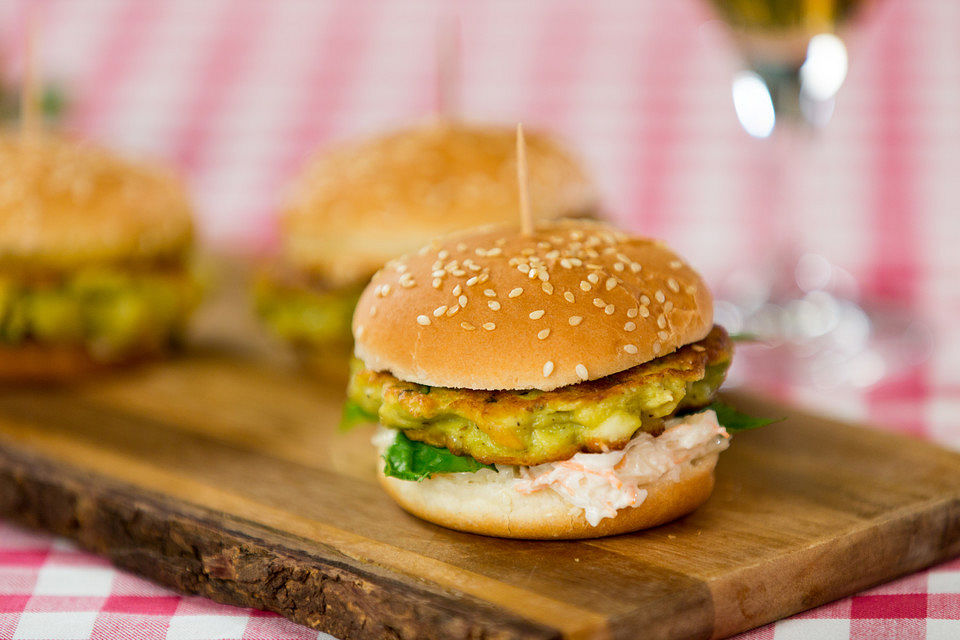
194,554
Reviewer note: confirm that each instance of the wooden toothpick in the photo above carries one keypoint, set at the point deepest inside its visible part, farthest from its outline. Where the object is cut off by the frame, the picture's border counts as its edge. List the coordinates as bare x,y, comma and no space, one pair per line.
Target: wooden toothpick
526,215
30,86
448,67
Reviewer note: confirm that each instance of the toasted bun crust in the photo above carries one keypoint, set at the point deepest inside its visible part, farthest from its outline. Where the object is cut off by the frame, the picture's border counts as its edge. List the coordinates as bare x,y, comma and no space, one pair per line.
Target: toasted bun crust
46,364
465,313
493,508
361,204
64,204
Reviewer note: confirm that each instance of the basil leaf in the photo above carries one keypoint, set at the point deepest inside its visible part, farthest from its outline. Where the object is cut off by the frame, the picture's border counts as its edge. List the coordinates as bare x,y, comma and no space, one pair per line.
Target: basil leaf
354,414
408,459
734,421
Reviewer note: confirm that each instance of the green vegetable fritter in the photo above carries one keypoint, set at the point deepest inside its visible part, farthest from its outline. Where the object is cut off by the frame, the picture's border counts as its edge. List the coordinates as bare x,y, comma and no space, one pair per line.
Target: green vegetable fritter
108,311
305,315
533,427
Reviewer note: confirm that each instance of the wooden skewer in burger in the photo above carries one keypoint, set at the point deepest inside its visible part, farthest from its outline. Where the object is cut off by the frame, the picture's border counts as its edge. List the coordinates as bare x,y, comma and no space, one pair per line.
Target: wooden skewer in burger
362,203
550,381
94,253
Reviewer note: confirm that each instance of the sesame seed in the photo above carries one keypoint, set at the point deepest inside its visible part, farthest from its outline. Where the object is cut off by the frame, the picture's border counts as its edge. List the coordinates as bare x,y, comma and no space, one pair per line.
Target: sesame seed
462,300
663,335
467,326
360,330
634,267
472,281
593,278
461,246
439,311
598,302
386,290
547,368
408,284
532,274
675,264
484,277
575,320
661,321
611,283
582,372
659,296
630,326
585,286
489,326
438,273
632,312
609,309
457,290
536,315
565,263
453,310
490,293
524,267
656,347
515,292
423,320
494,305
644,312
496,251
668,306
630,348
644,300
547,288
674,286
373,310
443,254
690,289
568,296
618,266
543,334
437,283
459,273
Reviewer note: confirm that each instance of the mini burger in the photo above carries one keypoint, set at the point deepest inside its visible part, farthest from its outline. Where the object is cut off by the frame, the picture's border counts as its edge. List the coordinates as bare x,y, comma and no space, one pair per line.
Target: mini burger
361,204
551,385
94,259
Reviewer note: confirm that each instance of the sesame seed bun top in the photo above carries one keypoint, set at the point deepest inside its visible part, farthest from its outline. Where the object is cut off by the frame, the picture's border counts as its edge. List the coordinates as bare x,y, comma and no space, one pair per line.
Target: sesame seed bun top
493,309
64,205
360,204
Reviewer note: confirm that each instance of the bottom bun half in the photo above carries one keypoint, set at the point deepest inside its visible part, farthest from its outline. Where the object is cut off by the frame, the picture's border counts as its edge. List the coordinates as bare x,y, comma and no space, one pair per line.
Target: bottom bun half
487,504
53,364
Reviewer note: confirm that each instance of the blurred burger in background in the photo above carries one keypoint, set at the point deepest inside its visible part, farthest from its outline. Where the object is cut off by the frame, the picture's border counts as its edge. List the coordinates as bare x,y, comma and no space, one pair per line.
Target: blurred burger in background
360,204
95,265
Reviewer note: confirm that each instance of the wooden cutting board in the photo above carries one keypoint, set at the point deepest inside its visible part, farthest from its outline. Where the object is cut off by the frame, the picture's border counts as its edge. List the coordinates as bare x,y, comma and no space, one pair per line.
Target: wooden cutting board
222,473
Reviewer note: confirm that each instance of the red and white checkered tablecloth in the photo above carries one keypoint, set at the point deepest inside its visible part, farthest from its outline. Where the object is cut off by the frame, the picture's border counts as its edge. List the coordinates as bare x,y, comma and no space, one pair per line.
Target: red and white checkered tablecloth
236,92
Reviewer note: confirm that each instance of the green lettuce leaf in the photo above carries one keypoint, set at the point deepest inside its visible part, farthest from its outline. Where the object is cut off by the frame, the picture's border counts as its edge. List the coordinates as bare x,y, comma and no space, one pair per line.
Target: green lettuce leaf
354,414
411,460
734,421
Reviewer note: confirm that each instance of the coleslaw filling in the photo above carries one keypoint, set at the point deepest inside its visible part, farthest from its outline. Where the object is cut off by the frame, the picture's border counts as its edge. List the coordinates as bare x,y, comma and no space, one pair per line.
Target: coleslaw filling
603,483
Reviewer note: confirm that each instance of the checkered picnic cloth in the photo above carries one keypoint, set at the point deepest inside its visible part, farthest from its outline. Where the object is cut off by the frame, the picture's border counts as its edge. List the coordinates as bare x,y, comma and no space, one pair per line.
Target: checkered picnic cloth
237,92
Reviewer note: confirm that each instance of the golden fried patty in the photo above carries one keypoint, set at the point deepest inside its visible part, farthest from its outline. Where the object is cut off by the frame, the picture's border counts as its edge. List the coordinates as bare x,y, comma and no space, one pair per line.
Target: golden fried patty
304,311
107,312
533,427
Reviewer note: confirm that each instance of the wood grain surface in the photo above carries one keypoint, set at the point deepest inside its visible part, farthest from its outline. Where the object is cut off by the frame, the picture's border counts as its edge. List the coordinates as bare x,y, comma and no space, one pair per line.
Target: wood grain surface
222,473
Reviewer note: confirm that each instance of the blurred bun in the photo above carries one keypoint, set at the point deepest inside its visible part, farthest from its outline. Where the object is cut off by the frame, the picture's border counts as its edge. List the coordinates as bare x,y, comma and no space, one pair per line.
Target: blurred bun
485,503
64,204
360,204
465,312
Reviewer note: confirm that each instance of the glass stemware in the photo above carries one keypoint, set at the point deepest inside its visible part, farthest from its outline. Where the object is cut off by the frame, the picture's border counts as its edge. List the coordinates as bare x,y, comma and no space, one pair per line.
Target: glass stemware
802,306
